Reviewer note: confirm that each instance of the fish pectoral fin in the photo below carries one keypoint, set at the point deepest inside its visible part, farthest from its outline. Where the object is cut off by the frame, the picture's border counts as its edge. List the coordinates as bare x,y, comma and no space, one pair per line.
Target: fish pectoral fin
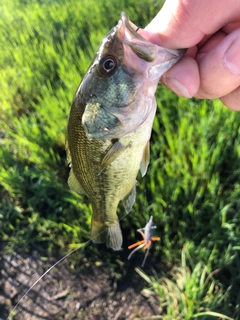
74,184
111,234
145,159
116,149
129,200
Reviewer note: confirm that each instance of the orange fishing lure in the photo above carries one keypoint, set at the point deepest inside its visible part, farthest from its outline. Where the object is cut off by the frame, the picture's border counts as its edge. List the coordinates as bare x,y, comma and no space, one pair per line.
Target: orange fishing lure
147,240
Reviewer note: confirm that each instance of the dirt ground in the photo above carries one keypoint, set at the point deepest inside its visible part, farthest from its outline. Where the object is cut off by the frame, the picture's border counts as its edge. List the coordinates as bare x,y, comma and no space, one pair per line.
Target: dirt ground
92,292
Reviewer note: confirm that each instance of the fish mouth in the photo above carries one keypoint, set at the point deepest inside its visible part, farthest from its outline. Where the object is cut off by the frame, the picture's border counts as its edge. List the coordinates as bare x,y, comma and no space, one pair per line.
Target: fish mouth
130,25
125,19
127,32
144,49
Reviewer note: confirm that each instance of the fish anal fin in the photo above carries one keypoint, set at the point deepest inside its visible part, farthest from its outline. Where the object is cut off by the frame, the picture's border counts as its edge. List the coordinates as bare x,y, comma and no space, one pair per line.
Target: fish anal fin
98,232
145,159
129,200
116,149
74,184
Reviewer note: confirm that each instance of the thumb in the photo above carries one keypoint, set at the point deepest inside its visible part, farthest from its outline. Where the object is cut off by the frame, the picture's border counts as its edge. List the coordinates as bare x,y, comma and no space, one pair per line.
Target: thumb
184,23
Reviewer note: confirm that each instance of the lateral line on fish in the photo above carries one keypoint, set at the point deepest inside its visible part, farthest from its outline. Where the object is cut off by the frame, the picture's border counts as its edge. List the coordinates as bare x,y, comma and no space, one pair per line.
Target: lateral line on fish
54,265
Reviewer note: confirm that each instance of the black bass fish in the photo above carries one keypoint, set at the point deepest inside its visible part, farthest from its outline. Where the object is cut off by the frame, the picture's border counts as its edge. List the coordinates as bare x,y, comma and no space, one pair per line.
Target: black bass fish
110,124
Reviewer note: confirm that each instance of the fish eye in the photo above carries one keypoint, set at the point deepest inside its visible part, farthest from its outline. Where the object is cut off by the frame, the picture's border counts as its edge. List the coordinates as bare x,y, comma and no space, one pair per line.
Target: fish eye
108,64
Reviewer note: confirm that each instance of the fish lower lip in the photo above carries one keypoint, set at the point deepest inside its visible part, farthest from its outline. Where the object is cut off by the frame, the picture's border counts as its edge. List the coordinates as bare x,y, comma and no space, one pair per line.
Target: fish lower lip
182,51
178,52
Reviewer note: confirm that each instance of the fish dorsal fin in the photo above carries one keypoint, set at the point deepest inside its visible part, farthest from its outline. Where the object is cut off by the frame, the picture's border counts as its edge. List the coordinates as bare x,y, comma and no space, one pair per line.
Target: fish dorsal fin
145,159
116,149
129,200
74,184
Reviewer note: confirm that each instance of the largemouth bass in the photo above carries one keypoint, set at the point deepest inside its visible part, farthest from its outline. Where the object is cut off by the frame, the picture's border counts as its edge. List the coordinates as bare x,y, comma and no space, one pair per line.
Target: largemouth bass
110,124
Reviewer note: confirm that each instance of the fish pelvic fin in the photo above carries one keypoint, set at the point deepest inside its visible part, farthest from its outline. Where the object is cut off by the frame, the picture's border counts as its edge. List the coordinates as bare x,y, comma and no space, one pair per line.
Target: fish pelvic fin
111,234
69,158
145,159
129,200
74,184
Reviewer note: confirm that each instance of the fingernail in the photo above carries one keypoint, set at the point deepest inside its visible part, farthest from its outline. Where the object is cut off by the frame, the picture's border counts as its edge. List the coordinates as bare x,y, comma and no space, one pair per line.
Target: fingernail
231,57
177,87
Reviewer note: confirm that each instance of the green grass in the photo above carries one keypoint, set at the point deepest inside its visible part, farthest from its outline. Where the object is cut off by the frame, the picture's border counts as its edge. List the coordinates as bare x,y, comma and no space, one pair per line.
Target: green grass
192,187
189,291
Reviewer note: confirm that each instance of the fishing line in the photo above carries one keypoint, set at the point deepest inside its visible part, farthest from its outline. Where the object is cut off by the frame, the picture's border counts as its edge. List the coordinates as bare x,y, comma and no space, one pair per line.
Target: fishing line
54,265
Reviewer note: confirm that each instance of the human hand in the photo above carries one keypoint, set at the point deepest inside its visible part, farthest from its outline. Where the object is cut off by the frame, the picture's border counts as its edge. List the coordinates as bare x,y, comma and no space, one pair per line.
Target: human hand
211,30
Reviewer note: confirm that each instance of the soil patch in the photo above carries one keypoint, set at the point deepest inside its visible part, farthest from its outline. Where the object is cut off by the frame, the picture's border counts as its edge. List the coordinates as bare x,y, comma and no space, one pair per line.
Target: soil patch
92,292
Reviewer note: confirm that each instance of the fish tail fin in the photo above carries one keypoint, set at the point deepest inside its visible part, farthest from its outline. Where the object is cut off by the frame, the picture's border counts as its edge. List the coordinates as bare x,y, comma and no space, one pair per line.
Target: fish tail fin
115,238
111,234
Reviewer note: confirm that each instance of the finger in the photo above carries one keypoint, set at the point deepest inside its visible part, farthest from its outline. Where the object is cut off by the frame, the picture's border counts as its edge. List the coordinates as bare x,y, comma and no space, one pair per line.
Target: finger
231,27
183,78
136,244
211,42
156,238
232,100
220,68
147,245
183,23
142,234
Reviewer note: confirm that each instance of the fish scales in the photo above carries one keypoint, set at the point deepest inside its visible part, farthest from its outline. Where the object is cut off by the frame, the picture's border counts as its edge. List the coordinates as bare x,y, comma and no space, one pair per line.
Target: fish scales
110,123
106,189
